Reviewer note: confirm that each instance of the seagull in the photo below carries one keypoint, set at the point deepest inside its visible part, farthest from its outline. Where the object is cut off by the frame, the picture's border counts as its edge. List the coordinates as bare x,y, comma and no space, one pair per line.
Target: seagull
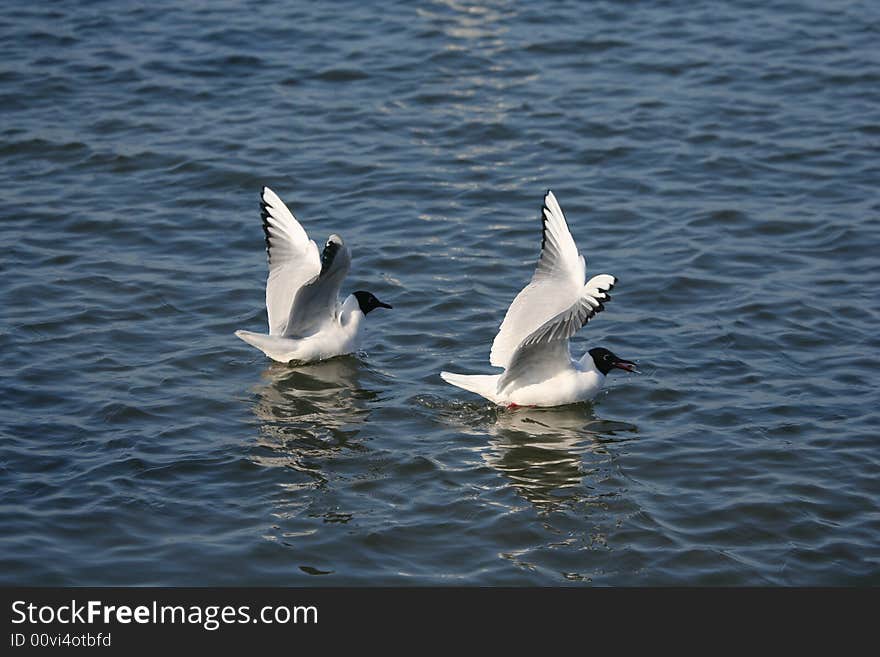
306,321
532,342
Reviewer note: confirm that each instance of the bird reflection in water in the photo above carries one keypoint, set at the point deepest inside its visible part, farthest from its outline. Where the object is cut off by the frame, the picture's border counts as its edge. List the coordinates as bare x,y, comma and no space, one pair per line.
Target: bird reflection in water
554,457
309,413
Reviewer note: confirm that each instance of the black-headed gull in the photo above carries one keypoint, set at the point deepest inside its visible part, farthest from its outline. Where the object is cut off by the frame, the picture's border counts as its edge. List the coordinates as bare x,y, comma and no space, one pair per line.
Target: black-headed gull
532,343
306,320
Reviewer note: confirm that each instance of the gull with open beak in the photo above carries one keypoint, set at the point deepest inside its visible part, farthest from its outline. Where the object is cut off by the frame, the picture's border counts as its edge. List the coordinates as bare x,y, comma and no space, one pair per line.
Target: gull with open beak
532,343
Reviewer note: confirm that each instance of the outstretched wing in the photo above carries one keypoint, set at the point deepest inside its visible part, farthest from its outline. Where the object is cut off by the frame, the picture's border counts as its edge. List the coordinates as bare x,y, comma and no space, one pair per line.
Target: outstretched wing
544,352
293,260
556,285
316,302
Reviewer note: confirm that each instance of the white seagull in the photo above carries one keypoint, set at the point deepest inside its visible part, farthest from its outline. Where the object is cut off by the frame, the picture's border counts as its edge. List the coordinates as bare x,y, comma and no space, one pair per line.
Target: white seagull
532,343
306,320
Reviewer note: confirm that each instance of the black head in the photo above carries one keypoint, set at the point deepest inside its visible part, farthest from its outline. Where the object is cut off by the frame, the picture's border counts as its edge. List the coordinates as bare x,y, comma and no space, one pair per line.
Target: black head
606,360
367,301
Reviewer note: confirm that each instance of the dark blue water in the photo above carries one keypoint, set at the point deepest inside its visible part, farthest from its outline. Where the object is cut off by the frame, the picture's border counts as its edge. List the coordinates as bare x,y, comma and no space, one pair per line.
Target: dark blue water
721,159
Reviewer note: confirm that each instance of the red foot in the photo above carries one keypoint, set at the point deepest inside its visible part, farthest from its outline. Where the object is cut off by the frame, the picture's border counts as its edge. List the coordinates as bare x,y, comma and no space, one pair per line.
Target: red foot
513,407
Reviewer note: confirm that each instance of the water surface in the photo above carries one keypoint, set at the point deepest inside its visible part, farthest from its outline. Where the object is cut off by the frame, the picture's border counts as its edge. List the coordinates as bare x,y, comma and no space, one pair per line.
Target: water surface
720,159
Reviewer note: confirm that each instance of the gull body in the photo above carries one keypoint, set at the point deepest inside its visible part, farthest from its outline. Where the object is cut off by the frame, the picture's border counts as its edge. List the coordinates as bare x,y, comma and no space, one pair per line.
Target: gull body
532,344
307,322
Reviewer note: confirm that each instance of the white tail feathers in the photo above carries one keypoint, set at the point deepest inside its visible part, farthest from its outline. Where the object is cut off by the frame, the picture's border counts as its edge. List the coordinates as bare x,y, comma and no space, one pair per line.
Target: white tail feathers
275,347
485,385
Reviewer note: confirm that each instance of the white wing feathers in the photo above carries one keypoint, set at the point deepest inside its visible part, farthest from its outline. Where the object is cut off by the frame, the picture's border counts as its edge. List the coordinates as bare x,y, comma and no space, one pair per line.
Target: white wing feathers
556,285
545,351
293,260
302,292
559,258
316,302
572,319
532,341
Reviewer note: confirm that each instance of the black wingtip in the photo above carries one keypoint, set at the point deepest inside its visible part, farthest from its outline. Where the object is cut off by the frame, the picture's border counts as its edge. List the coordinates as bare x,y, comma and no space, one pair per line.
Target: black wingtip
544,210
329,254
264,217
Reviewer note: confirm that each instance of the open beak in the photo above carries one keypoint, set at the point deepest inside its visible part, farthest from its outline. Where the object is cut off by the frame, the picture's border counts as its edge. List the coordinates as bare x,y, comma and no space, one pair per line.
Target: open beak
627,365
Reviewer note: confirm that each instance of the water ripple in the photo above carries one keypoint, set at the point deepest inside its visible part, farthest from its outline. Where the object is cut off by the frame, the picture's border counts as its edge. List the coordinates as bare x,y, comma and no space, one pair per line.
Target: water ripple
721,160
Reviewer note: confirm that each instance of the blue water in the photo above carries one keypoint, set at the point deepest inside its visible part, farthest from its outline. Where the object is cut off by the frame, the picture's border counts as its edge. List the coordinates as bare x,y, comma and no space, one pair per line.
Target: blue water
721,159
